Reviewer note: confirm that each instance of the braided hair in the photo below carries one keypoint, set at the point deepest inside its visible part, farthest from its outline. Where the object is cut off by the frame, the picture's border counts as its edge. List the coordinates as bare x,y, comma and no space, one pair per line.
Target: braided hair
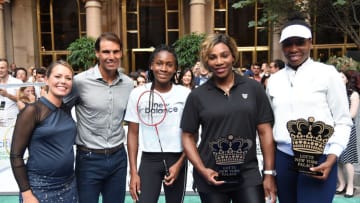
158,49
151,77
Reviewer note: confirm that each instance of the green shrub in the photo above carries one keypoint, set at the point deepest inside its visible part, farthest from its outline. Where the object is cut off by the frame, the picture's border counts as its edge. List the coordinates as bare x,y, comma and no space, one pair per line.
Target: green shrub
82,53
187,49
344,63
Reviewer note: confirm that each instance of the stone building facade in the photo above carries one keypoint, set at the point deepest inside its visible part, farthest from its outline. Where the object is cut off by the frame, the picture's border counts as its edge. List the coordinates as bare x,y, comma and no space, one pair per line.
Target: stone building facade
36,32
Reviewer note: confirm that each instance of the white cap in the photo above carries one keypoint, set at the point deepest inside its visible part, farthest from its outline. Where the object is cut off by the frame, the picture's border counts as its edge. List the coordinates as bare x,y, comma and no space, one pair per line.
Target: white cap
295,31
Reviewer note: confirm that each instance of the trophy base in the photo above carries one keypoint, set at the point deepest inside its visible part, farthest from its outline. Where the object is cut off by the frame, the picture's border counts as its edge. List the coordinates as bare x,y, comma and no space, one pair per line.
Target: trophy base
313,173
303,161
307,171
229,179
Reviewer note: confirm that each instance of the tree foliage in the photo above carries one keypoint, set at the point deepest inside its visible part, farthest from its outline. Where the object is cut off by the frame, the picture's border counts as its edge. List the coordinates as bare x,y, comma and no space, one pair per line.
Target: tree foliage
340,15
82,53
187,49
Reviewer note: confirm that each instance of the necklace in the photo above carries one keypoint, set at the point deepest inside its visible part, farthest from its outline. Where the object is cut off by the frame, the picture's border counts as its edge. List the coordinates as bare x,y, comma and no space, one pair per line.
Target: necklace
226,88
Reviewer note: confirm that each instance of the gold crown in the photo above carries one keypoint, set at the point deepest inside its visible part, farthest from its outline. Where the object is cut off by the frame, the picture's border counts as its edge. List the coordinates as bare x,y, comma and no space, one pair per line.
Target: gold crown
229,151
309,136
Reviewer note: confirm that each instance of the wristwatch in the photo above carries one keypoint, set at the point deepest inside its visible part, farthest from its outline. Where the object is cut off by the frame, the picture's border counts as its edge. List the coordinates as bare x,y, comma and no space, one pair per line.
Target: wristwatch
269,172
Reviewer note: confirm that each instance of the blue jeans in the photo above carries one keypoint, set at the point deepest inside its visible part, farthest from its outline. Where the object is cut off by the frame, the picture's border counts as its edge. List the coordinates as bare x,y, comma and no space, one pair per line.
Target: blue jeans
100,173
299,188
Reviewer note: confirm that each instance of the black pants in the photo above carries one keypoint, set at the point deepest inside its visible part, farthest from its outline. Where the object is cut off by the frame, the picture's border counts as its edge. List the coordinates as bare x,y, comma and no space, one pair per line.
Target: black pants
152,172
253,194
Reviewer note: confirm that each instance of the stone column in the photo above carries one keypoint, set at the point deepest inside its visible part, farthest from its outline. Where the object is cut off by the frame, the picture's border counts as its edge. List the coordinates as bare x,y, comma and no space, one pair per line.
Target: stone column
276,47
197,16
93,18
2,30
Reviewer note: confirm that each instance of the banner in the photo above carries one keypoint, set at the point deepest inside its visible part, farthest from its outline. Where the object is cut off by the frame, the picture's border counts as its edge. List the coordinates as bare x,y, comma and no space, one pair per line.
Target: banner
9,184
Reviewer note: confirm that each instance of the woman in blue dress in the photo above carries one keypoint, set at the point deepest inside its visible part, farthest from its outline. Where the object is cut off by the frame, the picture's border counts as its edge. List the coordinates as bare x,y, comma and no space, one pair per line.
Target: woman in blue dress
47,130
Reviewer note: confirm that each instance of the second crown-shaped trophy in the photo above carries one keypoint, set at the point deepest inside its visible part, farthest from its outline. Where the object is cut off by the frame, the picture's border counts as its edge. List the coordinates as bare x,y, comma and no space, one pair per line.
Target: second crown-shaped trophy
308,138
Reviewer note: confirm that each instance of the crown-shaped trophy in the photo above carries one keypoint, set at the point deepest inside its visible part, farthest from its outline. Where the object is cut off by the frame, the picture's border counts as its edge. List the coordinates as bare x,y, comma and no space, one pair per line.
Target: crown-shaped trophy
229,154
308,138
230,150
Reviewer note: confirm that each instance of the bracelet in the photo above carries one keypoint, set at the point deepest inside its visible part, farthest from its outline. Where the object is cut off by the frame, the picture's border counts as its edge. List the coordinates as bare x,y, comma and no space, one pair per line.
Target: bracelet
269,172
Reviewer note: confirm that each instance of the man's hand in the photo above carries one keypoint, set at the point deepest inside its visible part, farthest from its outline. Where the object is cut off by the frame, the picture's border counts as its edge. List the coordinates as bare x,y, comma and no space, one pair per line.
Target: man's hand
3,93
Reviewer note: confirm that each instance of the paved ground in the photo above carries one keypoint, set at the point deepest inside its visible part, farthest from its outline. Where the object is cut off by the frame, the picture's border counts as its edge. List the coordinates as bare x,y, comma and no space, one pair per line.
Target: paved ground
191,198
356,193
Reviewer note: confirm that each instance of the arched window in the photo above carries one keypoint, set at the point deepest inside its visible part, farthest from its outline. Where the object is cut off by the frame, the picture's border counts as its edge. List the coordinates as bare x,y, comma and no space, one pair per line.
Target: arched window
60,22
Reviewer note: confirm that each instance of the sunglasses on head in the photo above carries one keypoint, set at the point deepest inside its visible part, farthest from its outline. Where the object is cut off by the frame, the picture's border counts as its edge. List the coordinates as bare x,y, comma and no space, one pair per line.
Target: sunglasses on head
295,41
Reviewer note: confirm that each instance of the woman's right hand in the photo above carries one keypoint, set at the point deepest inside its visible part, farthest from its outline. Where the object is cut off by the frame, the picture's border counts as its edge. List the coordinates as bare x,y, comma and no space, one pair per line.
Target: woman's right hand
134,187
29,197
210,176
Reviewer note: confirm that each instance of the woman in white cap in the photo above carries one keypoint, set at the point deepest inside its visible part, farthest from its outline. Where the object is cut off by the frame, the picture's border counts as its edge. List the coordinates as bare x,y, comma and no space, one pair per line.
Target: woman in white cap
308,100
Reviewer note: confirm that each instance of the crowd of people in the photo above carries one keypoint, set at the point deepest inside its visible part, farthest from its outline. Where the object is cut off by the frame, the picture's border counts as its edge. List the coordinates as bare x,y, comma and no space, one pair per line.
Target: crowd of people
192,77
27,86
210,114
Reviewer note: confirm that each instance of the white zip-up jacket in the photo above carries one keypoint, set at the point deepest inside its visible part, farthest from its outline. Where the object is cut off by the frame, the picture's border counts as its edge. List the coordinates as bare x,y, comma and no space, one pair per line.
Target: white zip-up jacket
314,90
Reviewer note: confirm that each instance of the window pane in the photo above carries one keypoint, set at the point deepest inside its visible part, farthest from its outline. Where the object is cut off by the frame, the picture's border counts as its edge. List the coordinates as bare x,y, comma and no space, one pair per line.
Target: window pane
44,6
220,4
353,53
142,60
323,35
82,7
350,40
61,56
82,17
262,56
262,32
131,21
152,28
262,37
83,23
45,23
132,40
246,58
220,19
173,21
172,4
65,23
356,28
46,42
131,5
46,60
238,26
323,55
173,36
336,52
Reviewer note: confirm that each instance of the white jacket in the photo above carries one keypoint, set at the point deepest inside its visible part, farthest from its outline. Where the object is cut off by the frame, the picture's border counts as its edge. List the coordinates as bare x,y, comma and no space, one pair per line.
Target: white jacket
314,90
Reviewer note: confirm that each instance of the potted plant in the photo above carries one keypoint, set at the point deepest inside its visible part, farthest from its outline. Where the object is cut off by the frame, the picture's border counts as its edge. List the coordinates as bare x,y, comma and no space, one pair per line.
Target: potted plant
81,54
187,49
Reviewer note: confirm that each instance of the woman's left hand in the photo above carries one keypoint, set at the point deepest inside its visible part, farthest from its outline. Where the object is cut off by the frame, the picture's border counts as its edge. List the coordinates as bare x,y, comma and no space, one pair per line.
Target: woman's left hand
270,188
325,167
